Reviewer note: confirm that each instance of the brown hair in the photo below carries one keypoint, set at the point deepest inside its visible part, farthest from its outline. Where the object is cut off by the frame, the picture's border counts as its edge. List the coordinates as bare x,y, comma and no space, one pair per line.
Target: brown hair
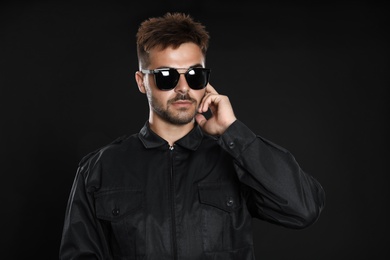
170,30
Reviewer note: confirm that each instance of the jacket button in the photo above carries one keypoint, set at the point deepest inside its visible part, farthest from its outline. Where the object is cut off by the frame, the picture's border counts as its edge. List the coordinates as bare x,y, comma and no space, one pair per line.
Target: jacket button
230,202
231,145
115,212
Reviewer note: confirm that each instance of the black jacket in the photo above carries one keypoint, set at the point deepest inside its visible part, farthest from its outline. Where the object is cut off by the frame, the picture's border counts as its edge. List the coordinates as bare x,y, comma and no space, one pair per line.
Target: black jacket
138,198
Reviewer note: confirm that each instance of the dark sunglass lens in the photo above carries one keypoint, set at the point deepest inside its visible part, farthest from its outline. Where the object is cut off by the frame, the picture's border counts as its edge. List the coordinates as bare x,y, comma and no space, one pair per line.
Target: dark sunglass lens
197,78
166,79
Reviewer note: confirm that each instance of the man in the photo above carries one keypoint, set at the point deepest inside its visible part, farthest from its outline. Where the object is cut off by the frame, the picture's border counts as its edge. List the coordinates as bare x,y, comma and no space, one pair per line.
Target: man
185,186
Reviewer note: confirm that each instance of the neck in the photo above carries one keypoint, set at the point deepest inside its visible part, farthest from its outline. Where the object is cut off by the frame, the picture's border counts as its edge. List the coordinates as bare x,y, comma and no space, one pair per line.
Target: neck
170,132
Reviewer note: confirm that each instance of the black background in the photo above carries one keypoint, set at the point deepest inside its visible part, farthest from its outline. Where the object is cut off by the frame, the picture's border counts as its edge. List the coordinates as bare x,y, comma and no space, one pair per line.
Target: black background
313,78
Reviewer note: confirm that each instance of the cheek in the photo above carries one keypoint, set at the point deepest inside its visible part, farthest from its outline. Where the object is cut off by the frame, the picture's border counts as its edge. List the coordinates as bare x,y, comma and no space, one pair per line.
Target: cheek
156,96
149,85
149,92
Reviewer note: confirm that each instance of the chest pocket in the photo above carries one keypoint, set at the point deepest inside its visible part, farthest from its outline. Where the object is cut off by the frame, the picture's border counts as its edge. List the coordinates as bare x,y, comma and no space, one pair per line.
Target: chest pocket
121,211
223,217
114,205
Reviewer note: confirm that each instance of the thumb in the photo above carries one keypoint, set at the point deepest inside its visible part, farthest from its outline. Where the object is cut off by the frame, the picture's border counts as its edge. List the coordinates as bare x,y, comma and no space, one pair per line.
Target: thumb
200,119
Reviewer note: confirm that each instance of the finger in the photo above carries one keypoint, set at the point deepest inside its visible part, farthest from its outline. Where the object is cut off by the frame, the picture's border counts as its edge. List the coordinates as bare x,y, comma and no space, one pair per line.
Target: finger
200,119
202,107
206,101
210,89
210,101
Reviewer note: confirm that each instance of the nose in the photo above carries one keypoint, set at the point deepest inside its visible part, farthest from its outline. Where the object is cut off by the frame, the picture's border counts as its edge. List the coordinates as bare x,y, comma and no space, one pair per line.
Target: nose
182,85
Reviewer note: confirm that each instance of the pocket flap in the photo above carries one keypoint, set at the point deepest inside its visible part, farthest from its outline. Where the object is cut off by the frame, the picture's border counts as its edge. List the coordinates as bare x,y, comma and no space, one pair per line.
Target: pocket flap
112,205
224,196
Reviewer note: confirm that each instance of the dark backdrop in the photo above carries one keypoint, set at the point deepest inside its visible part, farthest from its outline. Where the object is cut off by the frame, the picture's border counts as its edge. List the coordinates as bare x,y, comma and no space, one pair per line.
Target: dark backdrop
313,78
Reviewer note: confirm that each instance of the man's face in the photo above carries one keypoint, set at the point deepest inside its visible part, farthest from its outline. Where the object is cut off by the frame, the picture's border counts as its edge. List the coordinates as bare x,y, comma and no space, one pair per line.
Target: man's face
177,106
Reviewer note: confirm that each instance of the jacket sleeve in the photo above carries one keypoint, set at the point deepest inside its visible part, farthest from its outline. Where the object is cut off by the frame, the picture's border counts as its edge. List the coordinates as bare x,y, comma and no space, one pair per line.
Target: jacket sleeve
83,235
279,191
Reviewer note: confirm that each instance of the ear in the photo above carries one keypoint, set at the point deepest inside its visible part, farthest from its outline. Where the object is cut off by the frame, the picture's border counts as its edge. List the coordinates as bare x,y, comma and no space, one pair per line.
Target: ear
139,78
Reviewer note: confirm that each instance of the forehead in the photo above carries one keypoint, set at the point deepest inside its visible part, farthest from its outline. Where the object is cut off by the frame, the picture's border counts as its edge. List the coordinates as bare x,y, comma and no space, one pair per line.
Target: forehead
186,55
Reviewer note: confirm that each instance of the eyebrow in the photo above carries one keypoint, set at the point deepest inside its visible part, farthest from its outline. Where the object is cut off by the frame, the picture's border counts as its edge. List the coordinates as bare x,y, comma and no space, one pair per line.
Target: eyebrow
193,66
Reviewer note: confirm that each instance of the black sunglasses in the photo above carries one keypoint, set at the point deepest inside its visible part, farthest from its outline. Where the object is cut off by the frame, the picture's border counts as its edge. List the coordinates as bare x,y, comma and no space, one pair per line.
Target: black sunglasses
167,78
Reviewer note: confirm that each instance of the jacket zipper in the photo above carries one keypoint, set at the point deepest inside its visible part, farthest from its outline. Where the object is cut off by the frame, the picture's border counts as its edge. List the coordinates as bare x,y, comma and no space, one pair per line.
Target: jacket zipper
173,214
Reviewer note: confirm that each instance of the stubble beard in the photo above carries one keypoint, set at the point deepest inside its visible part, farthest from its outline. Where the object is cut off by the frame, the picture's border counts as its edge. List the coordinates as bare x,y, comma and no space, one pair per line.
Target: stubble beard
181,116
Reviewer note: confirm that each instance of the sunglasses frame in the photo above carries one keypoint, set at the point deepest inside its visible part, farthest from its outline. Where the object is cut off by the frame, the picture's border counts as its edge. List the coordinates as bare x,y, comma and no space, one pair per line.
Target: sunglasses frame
156,71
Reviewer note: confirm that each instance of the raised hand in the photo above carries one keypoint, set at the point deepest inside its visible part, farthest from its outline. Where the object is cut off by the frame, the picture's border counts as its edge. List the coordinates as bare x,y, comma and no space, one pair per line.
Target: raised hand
222,115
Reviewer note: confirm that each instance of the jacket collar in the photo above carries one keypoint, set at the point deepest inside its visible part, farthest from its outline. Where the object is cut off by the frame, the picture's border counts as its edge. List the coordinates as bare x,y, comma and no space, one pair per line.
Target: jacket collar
190,141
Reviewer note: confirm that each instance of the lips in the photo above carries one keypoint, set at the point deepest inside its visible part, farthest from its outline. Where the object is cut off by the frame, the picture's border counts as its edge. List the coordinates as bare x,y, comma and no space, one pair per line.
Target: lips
182,103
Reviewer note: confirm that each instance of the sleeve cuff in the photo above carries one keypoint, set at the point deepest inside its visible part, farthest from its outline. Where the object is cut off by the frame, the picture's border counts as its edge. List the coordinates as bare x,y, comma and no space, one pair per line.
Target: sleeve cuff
236,138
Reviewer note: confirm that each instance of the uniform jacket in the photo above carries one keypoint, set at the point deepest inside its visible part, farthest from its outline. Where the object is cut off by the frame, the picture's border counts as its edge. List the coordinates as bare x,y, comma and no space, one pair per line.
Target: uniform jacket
139,198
